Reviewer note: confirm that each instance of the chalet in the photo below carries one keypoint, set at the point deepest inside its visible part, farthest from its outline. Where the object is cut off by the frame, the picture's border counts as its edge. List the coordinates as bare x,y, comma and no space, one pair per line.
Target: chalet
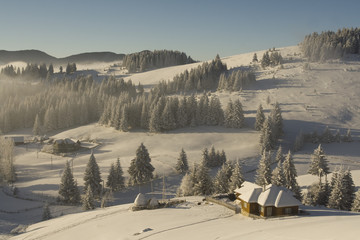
65,145
266,202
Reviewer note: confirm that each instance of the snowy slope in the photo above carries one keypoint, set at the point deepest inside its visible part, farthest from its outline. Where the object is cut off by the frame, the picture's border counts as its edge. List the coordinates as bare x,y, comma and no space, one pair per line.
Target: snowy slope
192,221
310,100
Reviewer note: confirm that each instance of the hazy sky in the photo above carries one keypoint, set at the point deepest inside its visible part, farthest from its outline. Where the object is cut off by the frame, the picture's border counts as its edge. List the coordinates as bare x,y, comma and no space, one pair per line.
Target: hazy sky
201,28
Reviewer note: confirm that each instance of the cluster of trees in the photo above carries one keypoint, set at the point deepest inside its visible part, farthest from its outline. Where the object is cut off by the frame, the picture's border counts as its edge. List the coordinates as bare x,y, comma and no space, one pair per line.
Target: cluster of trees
7,168
339,193
331,45
271,127
236,80
272,59
71,68
31,71
326,137
283,175
64,103
146,60
204,77
159,114
198,180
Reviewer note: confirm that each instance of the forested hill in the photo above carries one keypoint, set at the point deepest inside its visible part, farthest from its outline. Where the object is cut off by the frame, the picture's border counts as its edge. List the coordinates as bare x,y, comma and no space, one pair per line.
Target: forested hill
36,56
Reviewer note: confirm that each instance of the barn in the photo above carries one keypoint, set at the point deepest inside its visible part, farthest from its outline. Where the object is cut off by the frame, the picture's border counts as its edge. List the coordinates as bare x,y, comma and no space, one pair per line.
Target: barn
268,201
65,145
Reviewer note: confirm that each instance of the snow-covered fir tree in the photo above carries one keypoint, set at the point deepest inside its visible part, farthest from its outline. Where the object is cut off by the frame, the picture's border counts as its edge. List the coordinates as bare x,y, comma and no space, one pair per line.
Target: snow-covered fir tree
124,124
111,182
203,184
255,59
92,177
68,190
229,114
260,118
238,116
263,172
7,167
318,194
168,121
237,177
277,121
327,137
356,204
278,177
115,180
290,175
342,190
186,187
266,137
182,166
318,166
88,201
155,119
222,179
46,215
279,155
215,113
205,158
141,170
37,129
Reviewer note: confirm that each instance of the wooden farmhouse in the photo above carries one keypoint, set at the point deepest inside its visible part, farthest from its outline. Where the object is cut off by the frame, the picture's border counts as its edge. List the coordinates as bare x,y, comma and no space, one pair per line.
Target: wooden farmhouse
65,145
269,201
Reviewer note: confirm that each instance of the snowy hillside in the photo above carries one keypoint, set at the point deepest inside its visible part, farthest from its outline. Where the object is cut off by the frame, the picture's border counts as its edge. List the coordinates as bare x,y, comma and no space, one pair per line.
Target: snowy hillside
327,94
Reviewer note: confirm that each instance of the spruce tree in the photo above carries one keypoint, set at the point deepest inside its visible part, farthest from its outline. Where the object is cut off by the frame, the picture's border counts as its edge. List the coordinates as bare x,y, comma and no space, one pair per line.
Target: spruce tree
141,170
92,177
277,121
182,166
68,190
237,177
186,187
347,137
290,175
279,155
238,115
120,183
205,157
318,165
260,118
229,114
124,120
88,202
263,172
266,137
111,181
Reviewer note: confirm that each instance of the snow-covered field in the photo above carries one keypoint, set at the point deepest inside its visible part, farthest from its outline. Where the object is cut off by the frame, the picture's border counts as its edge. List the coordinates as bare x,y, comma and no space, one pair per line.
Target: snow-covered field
327,94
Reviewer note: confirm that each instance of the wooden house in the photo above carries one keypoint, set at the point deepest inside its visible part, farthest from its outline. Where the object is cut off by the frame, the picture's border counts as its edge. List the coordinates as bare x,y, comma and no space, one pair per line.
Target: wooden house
65,145
18,140
266,201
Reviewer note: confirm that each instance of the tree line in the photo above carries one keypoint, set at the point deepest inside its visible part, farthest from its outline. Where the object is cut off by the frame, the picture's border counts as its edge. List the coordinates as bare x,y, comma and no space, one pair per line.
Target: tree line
146,60
331,45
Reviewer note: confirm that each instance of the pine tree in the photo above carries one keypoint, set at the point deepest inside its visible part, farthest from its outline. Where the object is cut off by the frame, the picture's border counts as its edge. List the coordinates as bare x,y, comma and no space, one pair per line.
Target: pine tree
186,187
46,212
229,113
141,170
221,181
237,177
327,137
356,204
238,115
337,197
111,181
263,172
92,177
120,183
347,137
349,189
260,118
88,202
255,59
182,163
318,165
290,175
266,137
68,190
155,119
205,157
317,194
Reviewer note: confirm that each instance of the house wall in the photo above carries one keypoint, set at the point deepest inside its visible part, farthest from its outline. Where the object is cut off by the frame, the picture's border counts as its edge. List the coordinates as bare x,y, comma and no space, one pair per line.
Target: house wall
252,208
278,211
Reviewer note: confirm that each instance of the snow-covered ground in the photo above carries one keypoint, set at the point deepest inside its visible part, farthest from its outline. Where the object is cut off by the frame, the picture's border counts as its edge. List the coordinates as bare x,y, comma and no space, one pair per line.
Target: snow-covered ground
327,94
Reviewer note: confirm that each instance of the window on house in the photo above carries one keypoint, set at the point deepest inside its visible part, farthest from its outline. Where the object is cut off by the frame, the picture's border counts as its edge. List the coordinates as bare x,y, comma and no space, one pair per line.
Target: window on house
245,204
287,210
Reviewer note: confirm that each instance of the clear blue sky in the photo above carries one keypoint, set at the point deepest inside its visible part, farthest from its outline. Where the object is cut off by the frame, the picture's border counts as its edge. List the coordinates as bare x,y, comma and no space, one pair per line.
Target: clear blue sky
198,27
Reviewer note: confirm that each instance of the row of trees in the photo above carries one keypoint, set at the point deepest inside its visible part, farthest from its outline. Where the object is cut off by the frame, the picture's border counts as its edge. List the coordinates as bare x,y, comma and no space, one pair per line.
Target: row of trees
339,193
64,103
236,80
204,77
272,59
331,45
146,60
167,113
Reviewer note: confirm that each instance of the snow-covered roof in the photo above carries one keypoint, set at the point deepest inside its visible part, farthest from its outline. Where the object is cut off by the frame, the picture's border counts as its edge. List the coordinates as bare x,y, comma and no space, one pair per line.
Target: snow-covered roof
140,200
272,195
64,141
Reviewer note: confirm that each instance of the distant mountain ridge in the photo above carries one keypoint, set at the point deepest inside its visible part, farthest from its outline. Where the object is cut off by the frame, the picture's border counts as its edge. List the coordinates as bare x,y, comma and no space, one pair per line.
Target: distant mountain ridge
36,56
